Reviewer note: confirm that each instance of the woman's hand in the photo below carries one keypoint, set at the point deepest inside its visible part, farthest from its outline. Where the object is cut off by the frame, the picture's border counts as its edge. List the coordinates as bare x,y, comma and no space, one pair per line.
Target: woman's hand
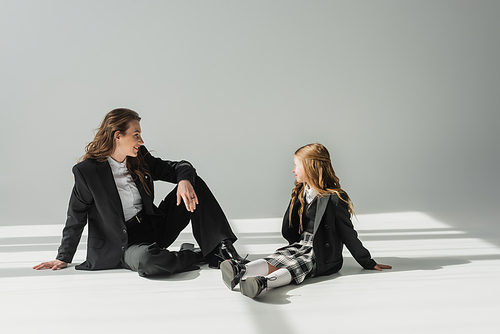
186,192
379,267
54,265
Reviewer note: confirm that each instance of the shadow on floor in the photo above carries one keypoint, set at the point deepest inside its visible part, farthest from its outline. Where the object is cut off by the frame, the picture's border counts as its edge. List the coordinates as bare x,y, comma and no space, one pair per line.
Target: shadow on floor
283,295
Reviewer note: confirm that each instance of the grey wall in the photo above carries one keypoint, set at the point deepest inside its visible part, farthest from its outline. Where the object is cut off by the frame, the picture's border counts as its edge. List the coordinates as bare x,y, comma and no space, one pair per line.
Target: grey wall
404,94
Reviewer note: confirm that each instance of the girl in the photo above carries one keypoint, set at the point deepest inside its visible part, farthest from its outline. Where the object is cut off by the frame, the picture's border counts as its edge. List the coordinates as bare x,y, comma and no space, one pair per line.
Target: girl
316,225
114,194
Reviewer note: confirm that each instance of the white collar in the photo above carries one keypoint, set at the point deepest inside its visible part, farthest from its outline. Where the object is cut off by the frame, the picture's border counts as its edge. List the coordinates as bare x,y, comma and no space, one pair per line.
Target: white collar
115,165
310,193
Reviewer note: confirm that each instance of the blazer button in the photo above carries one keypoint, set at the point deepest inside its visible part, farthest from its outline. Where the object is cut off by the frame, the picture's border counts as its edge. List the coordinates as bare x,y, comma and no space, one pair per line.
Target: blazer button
124,231
327,245
327,262
326,226
123,249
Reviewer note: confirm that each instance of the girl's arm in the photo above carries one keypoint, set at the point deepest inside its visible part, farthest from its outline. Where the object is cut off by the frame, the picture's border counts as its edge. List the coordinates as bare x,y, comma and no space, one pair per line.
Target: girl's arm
290,233
349,236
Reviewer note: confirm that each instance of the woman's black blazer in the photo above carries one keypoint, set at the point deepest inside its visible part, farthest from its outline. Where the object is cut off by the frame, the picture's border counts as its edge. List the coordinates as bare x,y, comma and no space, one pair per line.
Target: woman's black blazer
332,229
95,200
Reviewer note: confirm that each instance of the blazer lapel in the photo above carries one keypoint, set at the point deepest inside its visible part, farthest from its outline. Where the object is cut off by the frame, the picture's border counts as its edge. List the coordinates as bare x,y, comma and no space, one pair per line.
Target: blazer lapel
322,203
108,182
147,199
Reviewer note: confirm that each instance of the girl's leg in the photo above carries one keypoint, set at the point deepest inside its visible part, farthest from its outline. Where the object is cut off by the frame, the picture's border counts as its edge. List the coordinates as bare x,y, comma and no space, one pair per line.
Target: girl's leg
253,286
258,267
233,271
279,277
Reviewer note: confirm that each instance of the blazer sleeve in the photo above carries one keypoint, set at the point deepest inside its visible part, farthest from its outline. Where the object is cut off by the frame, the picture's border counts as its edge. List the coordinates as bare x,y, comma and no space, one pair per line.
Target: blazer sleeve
290,231
349,236
80,202
168,171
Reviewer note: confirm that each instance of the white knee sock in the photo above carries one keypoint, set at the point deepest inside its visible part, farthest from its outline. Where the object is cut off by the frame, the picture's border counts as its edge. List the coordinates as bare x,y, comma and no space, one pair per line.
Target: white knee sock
256,268
278,278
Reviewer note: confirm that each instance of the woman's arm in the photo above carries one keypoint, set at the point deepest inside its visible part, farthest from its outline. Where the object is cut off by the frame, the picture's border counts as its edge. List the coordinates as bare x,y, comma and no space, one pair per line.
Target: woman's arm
79,204
379,267
180,172
185,191
168,171
54,265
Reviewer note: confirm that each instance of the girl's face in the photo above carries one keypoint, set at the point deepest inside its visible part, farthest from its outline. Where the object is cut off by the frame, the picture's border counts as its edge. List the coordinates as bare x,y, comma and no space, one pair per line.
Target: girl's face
128,143
298,170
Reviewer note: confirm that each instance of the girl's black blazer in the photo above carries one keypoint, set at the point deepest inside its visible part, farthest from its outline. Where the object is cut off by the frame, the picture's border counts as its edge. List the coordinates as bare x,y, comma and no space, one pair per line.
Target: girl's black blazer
95,200
332,229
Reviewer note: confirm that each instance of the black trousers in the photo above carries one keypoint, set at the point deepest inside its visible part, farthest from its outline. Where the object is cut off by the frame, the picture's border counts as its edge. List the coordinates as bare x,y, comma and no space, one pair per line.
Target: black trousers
147,253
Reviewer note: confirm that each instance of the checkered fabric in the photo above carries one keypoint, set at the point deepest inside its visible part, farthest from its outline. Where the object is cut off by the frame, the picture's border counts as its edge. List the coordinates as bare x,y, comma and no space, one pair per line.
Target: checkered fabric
298,258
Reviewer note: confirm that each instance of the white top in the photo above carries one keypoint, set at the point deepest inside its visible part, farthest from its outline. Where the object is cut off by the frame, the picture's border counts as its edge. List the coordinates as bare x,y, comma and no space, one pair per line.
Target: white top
129,194
309,194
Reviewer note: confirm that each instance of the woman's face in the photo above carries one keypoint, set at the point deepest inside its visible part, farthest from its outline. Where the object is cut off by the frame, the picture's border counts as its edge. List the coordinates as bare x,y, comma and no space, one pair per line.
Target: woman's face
128,143
298,170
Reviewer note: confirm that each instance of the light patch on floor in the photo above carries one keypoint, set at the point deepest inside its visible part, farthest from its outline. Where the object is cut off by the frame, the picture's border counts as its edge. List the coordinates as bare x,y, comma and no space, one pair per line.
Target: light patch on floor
444,280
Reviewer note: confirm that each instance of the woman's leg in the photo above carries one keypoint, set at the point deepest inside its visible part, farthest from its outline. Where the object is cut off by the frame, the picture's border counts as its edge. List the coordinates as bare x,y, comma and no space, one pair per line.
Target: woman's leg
150,259
209,223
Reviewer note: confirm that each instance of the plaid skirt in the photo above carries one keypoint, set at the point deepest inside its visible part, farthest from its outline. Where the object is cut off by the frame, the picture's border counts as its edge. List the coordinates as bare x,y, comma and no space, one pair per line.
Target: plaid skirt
298,258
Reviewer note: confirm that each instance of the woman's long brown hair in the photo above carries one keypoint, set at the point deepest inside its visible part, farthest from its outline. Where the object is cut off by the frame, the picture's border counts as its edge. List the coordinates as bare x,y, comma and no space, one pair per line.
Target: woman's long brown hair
104,144
319,175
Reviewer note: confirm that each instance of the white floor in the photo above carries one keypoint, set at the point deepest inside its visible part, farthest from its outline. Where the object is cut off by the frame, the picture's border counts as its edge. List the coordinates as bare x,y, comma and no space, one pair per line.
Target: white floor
445,280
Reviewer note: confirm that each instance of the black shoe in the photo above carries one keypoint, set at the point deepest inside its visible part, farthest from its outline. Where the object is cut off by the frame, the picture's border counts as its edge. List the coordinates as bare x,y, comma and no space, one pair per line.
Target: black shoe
190,247
232,271
225,251
253,286
187,246
228,252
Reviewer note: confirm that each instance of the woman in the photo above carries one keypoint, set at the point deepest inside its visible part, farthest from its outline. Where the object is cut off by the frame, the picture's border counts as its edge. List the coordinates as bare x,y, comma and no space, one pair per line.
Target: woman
114,194
316,224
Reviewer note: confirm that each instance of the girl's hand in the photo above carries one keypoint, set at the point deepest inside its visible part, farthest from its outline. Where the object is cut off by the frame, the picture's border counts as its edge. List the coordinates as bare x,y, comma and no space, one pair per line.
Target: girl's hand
379,267
54,265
